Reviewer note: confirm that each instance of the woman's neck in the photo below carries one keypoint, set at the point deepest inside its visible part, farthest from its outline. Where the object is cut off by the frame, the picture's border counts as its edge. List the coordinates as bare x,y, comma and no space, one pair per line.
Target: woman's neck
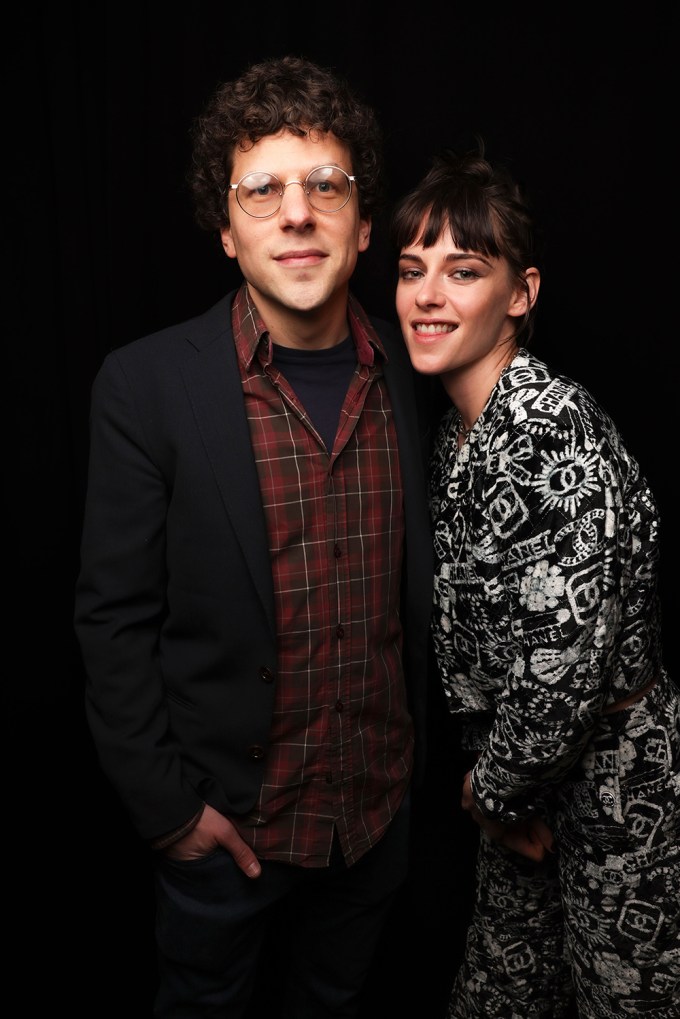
470,386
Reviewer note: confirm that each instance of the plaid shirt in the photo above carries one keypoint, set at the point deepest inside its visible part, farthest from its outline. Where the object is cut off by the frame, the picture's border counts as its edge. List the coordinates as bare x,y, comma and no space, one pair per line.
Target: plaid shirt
341,741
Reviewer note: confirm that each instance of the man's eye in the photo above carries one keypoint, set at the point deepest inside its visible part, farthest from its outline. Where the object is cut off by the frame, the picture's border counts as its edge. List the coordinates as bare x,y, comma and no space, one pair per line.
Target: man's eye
323,187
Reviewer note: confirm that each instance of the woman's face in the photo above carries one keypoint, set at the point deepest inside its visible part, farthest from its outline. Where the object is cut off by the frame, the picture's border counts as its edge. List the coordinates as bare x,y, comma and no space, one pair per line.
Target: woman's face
457,308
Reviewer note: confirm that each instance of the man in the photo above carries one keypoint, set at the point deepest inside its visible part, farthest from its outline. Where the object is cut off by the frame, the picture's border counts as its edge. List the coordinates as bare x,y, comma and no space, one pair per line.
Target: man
255,588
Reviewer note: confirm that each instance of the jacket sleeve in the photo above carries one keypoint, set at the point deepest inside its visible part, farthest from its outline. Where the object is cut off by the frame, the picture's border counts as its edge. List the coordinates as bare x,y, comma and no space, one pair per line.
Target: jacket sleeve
120,608
579,554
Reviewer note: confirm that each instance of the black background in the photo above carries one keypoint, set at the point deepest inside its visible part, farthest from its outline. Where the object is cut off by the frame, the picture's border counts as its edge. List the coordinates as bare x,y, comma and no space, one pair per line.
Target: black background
103,248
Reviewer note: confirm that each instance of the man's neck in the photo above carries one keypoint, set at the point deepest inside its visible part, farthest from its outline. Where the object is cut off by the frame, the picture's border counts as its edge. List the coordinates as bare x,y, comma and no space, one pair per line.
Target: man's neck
313,329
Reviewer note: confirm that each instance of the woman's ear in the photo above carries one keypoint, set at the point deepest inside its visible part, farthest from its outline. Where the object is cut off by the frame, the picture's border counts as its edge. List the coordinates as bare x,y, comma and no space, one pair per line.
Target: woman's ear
524,297
533,280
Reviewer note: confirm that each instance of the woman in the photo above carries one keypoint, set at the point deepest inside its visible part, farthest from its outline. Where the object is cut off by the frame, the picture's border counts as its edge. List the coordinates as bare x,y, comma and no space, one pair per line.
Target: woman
546,630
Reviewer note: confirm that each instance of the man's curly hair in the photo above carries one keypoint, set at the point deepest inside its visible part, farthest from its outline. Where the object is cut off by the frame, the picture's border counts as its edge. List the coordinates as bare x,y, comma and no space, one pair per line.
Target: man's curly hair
292,93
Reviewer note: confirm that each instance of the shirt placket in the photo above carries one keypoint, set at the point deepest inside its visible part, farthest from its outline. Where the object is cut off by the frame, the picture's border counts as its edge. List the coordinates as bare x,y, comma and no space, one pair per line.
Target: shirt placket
343,709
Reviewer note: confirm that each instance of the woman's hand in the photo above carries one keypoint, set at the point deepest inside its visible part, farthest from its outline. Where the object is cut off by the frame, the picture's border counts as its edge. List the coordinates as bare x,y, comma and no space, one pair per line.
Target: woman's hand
531,837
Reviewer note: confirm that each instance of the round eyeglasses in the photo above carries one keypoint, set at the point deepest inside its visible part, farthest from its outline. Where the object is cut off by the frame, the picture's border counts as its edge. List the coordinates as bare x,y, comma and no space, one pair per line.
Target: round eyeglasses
328,189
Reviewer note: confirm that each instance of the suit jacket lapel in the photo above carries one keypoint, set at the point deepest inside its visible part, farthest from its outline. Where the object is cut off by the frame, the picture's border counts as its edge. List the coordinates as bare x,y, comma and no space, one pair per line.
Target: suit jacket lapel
213,384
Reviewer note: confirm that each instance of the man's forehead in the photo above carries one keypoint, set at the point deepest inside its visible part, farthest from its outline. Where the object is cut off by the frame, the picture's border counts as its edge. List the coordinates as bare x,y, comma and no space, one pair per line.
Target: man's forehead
285,151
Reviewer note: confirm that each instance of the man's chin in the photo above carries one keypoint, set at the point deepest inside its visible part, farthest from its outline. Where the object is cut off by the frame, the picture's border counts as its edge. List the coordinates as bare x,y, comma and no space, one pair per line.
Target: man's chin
304,298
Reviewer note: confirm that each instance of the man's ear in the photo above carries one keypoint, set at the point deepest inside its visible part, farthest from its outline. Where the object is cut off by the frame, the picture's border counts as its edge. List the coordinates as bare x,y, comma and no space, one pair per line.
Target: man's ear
227,242
364,233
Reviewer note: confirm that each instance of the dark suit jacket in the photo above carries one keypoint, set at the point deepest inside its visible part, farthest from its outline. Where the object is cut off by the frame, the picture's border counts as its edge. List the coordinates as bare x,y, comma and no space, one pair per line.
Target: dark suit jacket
174,602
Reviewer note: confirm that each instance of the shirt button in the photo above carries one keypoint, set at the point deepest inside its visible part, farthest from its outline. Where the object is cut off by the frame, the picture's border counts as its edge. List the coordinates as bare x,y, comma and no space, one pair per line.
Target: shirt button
256,753
266,675
339,632
337,551
339,705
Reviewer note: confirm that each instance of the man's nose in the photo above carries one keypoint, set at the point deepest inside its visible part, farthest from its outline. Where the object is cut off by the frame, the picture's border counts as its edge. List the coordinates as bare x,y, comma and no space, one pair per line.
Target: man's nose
294,203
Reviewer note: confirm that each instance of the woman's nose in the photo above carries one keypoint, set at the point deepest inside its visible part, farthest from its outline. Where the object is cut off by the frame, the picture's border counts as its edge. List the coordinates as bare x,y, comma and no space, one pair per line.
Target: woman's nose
429,293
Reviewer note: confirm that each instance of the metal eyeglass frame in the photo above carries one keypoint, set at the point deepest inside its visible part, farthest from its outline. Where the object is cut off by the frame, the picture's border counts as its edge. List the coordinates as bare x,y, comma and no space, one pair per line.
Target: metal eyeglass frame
303,184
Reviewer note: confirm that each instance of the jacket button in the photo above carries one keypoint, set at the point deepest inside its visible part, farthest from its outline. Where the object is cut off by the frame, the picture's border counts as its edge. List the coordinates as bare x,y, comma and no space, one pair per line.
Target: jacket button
266,675
256,753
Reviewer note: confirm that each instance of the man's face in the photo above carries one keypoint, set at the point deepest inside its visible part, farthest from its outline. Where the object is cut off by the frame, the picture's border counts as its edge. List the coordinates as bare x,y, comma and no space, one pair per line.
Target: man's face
299,259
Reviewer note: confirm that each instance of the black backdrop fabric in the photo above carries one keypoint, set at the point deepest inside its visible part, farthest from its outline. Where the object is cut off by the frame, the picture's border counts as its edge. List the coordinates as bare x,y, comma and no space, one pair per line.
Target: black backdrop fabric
103,249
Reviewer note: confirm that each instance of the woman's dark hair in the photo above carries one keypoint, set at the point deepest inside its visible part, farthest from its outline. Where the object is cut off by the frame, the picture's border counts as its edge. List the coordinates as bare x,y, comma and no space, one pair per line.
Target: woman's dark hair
482,206
285,93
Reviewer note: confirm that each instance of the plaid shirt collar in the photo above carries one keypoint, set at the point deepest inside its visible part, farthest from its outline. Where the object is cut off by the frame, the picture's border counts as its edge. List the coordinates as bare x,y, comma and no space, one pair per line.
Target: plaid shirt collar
250,331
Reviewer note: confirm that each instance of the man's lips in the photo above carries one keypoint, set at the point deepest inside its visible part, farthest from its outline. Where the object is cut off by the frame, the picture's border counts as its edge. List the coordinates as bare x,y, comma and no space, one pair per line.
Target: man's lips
306,257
